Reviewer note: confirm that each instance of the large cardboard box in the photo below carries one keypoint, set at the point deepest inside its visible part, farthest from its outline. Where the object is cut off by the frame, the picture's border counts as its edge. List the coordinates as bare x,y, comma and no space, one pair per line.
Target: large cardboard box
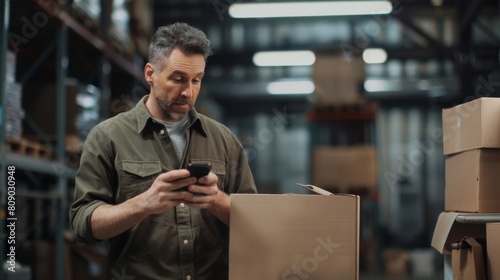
493,249
475,124
294,237
341,168
472,181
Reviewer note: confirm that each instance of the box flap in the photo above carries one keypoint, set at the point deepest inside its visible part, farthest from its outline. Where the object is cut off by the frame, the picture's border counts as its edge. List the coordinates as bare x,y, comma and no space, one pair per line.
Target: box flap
321,191
448,231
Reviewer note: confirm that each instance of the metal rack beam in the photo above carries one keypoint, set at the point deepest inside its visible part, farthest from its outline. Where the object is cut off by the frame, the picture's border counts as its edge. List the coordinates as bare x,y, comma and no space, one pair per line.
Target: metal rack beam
61,76
56,10
4,30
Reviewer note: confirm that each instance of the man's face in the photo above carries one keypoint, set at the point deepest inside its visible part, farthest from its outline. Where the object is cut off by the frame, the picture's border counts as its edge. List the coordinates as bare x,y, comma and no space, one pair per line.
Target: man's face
174,88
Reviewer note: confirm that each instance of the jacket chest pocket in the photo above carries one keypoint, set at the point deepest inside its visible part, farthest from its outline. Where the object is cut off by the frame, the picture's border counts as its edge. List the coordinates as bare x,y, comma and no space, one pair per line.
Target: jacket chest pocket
136,177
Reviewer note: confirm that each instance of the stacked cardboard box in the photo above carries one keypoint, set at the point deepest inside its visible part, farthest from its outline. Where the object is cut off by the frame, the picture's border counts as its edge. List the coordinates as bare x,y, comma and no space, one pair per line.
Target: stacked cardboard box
339,169
13,102
471,143
471,138
337,80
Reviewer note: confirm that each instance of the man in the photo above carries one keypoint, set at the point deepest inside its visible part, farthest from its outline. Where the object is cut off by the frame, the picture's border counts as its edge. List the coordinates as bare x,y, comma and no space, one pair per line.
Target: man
130,188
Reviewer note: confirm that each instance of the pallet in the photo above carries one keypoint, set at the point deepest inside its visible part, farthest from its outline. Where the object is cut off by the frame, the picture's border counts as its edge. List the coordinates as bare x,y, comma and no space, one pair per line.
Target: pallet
28,148
364,111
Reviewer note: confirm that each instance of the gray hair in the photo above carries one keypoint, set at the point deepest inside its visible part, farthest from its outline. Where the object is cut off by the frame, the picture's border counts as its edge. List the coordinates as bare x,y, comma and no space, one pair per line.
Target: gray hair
188,39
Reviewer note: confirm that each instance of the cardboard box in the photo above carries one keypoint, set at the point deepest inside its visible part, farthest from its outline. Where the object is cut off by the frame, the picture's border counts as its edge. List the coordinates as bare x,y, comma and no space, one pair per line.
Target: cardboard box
338,80
493,250
338,68
475,124
472,181
337,93
294,237
448,230
41,106
397,262
467,260
345,167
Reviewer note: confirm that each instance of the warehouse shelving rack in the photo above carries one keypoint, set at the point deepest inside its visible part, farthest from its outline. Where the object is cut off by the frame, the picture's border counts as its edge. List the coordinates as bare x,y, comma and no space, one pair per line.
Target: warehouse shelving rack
57,167
342,126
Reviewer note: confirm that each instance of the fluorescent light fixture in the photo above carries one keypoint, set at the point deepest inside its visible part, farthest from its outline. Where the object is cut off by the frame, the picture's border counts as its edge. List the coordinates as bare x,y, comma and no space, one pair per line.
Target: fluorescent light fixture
291,87
284,58
309,9
374,56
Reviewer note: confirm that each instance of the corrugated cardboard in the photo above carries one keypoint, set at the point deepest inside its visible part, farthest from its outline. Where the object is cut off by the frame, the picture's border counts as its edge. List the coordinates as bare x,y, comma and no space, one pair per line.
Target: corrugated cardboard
341,168
448,231
472,181
493,249
338,80
467,260
475,124
338,68
294,237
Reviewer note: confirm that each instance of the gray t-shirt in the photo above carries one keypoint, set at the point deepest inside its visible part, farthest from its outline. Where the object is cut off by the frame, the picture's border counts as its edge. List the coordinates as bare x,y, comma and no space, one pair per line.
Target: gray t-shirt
177,132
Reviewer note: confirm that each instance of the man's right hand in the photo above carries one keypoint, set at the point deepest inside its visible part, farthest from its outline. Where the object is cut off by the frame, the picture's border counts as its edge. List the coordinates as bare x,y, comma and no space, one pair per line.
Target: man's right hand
108,221
164,192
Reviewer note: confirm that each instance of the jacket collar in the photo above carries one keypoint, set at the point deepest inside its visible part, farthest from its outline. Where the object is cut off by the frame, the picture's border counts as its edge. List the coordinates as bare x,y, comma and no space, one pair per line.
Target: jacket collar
145,120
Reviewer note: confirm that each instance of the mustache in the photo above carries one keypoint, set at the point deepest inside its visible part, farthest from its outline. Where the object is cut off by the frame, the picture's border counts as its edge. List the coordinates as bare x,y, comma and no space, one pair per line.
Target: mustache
182,101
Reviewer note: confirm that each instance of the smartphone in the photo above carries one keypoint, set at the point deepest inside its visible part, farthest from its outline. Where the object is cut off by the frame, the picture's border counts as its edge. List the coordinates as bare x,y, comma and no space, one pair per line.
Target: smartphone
199,169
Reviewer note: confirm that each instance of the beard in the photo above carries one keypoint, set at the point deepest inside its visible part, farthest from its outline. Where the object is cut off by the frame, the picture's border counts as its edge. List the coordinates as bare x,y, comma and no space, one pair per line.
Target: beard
167,107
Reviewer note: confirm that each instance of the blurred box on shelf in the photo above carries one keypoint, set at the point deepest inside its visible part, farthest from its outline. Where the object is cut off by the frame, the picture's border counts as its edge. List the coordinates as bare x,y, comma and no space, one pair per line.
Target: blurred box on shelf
493,250
472,181
337,67
422,263
468,259
10,68
87,262
471,125
141,24
337,93
396,262
289,236
14,111
337,80
340,168
40,104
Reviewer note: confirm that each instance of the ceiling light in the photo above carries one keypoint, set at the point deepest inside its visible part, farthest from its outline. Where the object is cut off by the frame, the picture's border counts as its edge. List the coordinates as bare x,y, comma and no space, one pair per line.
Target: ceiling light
309,9
374,56
284,58
291,87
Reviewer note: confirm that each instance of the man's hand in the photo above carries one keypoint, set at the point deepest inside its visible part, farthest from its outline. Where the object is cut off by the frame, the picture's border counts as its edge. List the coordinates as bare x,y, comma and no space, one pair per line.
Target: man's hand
108,221
164,193
212,199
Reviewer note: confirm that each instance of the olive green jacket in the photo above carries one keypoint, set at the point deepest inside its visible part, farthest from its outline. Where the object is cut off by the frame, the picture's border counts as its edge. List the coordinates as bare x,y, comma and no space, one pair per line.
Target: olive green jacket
121,158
